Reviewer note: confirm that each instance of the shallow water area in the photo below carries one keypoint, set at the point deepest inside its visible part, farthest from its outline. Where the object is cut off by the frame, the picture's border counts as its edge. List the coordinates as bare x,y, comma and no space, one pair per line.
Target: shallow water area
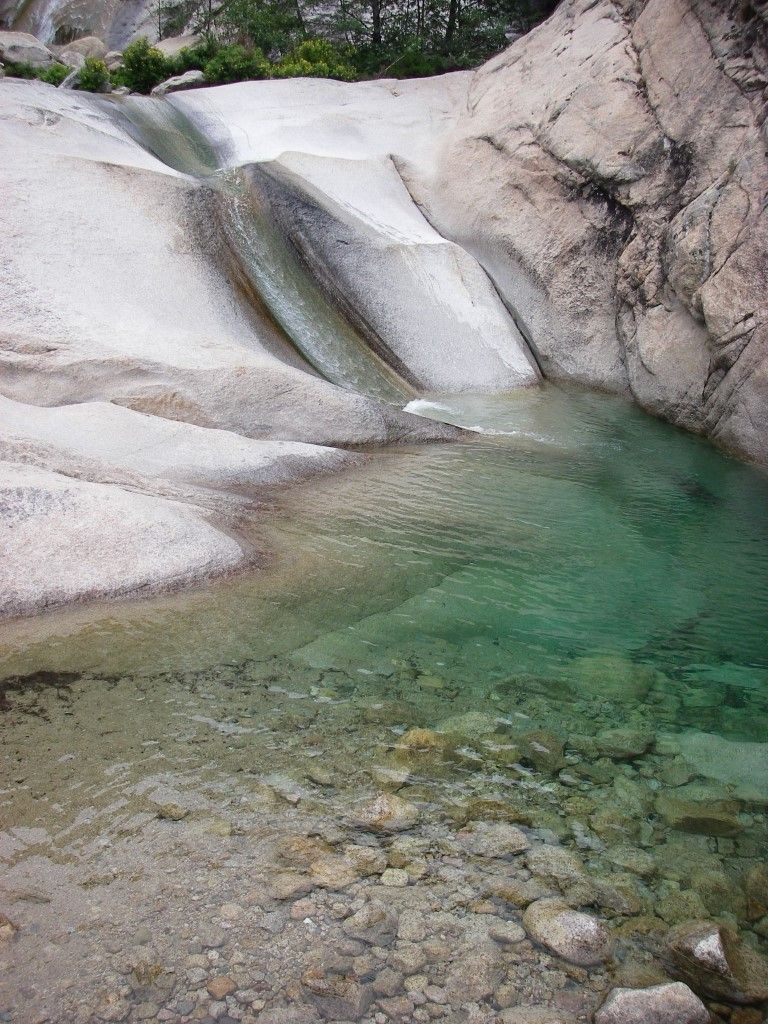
547,641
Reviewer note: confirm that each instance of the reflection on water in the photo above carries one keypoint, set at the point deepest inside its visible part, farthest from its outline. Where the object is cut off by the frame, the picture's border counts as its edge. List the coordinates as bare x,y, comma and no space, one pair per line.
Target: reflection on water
559,622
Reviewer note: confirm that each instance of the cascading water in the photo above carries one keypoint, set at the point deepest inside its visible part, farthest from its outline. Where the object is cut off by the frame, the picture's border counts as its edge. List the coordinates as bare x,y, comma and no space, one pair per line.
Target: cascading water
276,273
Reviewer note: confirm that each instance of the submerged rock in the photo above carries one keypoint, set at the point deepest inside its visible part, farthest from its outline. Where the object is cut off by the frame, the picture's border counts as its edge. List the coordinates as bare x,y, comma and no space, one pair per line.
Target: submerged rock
623,744
571,934
536,1015
613,677
691,809
494,839
375,923
337,997
554,864
713,960
661,1004
387,813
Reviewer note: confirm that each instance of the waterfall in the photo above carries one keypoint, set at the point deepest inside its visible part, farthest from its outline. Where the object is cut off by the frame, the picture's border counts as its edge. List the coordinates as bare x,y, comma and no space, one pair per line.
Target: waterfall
276,274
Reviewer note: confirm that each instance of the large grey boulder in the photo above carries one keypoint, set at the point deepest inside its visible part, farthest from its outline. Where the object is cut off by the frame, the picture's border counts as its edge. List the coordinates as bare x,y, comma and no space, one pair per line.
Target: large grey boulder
189,80
661,1004
66,540
23,48
87,46
616,201
325,160
173,45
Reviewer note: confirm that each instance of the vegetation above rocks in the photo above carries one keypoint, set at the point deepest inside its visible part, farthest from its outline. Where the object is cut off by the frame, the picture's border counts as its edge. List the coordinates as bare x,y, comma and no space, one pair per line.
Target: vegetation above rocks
53,74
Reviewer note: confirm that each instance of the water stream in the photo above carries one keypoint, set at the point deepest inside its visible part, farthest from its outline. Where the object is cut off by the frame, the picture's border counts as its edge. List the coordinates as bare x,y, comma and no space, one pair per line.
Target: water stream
464,625
273,269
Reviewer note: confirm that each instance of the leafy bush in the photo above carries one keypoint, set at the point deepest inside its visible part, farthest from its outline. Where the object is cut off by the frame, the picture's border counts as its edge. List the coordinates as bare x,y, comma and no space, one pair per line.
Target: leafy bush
193,58
54,74
315,58
22,70
143,67
236,64
93,76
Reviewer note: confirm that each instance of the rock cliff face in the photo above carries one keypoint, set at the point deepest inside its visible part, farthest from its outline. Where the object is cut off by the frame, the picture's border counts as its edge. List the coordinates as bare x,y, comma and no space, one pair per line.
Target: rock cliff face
610,175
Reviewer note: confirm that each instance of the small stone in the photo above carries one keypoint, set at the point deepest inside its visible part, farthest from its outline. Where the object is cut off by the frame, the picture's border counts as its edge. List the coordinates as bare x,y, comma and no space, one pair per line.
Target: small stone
286,885
469,727
571,934
337,997
661,1004
408,958
145,1011
7,928
374,923
189,80
475,975
411,927
554,863
423,748
388,983
506,932
333,872
398,878
366,860
756,886
494,839
397,1008
435,994
633,859
544,750
230,911
387,813
172,812
221,987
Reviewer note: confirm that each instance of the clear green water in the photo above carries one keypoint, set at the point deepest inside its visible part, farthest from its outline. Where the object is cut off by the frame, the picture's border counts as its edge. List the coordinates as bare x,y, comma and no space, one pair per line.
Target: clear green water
575,527
577,568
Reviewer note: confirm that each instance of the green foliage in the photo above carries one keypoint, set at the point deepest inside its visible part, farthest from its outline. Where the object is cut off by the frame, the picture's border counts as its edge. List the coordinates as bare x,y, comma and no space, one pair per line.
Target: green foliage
54,74
193,58
236,64
271,26
143,67
315,58
93,76
22,70
353,39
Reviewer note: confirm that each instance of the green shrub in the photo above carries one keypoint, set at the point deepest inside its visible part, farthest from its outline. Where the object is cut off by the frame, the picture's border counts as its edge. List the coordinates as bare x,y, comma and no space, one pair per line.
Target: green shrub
143,67
93,76
315,58
54,74
21,70
193,58
236,64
